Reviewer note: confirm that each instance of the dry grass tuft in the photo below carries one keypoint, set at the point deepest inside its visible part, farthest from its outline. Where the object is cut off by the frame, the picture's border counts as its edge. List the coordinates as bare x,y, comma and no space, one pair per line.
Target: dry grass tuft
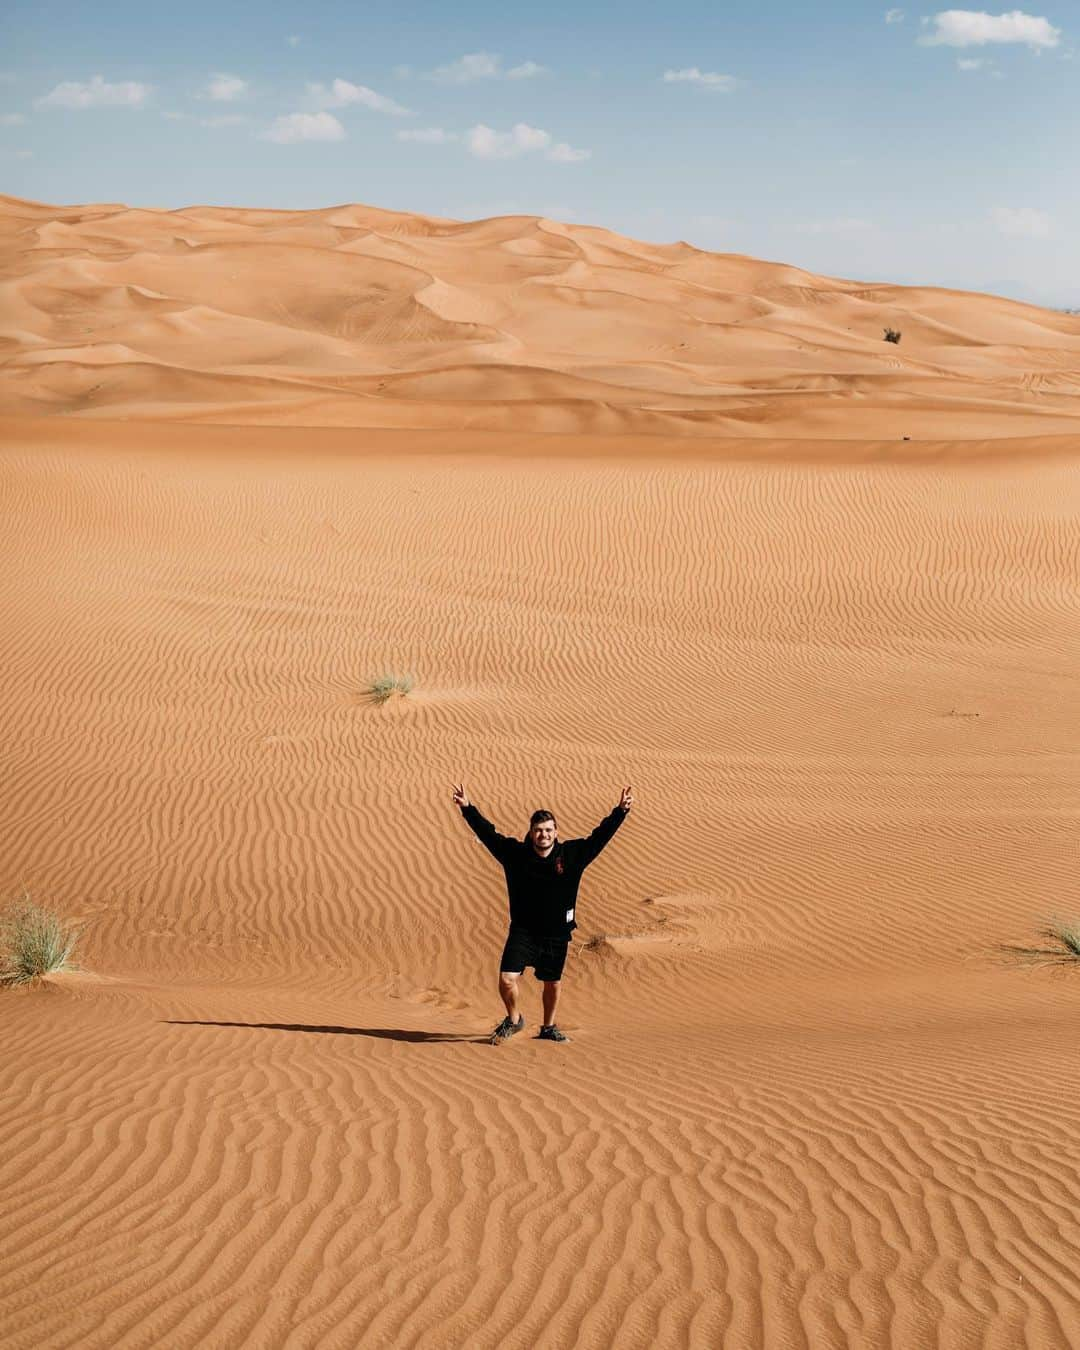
34,942
1062,946
386,686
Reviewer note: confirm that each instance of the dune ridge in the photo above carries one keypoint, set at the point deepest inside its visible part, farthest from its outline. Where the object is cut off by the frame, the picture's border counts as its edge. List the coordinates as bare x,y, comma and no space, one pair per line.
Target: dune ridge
355,316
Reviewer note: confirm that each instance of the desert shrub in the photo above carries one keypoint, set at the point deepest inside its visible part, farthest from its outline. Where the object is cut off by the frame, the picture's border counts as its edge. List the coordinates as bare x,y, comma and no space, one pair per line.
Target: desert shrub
1061,946
892,334
34,942
386,686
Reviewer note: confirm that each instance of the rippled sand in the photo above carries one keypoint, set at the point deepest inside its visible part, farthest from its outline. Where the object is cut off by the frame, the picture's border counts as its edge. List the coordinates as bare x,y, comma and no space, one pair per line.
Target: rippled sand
805,1104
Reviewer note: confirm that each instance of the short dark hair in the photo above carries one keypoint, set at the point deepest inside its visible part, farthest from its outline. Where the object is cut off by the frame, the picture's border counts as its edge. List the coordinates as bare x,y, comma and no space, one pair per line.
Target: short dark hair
538,816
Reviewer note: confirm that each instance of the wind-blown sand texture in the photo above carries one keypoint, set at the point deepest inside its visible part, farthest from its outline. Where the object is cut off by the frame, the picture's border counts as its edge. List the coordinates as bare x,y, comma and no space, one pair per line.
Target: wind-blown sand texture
805,1104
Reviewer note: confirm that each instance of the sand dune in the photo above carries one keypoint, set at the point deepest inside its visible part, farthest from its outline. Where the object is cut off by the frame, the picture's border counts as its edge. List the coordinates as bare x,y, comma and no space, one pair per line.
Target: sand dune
805,1104
329,318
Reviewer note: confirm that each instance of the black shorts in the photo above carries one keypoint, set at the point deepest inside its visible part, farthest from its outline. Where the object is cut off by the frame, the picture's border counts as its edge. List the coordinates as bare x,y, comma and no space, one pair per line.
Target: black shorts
546,955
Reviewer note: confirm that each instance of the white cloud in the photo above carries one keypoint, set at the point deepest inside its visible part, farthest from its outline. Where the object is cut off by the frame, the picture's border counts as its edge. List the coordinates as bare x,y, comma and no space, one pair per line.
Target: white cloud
704,79
96,93
227,120
342,93
486,143
474,66
970,63
223,88
894,16
11,119
1022,220
484,66
294,127
566,154
428,136
837,225
293,40
973,28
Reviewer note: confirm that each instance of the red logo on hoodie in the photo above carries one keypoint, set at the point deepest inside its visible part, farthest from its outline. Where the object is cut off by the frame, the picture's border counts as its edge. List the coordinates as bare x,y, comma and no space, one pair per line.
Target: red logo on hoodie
559,866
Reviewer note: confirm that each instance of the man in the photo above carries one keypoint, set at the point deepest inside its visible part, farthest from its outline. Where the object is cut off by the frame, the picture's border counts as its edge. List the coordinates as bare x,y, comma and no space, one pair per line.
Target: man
542,877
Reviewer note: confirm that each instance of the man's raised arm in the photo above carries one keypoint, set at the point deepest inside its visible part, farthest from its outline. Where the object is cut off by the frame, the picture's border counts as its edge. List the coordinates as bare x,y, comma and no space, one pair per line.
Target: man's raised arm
498,845
604,832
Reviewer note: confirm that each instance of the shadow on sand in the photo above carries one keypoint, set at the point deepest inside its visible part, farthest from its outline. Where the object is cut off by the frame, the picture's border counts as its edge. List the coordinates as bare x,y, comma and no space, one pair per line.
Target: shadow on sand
380,1033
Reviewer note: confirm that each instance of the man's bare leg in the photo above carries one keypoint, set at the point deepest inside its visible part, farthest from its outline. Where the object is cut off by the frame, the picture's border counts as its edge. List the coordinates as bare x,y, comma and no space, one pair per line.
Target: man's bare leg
551,1001
508,988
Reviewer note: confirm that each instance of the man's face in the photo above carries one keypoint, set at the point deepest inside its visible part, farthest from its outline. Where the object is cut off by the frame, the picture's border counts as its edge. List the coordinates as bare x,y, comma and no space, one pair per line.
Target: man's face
542,835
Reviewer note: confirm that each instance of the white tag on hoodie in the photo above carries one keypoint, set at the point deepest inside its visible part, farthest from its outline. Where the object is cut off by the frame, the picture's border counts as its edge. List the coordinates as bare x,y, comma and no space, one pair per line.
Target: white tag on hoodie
569,916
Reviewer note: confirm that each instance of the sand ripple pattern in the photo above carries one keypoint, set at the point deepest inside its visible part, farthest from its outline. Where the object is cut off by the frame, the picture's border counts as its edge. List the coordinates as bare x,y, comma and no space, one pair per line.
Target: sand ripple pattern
801,1108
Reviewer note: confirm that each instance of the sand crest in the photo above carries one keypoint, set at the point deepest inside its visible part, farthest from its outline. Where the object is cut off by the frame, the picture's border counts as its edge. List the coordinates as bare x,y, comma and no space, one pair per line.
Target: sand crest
352,316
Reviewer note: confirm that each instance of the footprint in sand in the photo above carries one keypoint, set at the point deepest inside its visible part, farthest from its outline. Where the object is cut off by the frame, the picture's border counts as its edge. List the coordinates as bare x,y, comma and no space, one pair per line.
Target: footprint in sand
704,919
438,998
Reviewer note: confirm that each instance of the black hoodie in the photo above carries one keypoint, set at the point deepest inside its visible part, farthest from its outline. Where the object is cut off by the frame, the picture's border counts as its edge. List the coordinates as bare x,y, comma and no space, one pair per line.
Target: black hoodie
543,891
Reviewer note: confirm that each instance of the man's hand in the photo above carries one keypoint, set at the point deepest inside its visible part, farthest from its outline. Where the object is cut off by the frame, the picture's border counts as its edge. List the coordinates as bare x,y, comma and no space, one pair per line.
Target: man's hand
626,801
460,796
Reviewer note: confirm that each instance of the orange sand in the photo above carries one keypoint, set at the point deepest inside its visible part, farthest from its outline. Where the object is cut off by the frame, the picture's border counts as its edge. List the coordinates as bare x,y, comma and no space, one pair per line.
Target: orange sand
805,1106
358,317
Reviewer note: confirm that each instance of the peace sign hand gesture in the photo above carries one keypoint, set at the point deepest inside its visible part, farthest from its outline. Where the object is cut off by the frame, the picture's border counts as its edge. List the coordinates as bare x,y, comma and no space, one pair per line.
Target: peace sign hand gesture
626,801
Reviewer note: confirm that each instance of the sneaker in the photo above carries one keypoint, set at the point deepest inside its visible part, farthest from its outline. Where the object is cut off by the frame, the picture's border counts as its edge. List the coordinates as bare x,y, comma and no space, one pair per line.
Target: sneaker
552,1033
506,1029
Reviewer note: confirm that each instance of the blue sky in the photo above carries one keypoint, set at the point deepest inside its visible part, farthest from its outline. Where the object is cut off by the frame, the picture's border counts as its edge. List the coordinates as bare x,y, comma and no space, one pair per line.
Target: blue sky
903,144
